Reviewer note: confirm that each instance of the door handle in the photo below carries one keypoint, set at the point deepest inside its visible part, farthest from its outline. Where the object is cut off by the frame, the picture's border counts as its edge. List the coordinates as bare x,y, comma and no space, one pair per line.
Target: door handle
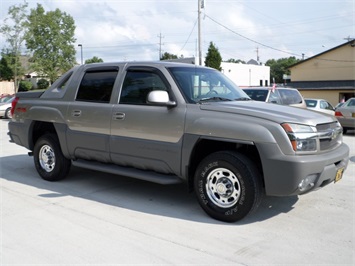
119,116
76,113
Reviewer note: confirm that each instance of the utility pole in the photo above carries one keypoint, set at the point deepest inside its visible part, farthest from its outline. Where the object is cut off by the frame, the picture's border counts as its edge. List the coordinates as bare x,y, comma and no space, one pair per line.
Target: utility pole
199,32
160,44
81,52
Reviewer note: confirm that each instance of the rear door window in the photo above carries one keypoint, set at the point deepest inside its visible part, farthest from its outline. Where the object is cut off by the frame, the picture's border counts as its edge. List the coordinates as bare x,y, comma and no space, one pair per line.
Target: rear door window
97,86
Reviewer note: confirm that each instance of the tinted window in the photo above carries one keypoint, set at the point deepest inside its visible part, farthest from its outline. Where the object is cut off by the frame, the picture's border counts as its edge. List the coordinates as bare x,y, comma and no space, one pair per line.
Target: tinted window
138,84
97,86
257,95
311,103
290,96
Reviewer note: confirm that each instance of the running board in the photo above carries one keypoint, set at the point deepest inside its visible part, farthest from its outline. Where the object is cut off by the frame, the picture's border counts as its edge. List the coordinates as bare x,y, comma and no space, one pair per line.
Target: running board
129,172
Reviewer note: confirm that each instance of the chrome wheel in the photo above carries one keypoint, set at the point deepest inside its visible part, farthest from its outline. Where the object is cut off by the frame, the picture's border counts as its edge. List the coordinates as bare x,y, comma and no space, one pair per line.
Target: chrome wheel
223,187
47,158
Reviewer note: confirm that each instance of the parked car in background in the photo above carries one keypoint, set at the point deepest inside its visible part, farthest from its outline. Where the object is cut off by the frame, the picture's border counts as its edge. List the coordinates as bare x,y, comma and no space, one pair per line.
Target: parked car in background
338,105
346,115
284,96
5,108
320,105
5,98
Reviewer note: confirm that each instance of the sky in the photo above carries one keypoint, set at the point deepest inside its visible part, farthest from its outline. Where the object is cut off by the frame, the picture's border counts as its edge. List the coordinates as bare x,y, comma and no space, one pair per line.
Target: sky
134,30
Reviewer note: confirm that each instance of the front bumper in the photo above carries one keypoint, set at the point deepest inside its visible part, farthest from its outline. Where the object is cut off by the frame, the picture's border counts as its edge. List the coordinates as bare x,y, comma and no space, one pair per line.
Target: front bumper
286,175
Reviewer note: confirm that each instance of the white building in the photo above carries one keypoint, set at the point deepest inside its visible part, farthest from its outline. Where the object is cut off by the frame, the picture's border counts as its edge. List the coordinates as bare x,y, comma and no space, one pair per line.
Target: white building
246,75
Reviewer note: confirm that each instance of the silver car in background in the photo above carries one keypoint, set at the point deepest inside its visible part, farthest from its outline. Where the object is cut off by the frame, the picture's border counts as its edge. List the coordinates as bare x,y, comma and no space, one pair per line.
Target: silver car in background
5,108
320,105
283,95
346,115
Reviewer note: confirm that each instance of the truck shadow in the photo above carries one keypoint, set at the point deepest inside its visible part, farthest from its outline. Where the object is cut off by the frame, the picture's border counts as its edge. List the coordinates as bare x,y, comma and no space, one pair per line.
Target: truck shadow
122,192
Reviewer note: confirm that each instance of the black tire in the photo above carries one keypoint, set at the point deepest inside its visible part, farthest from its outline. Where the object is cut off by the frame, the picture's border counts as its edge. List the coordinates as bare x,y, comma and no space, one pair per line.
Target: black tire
49,160
228,186
8,113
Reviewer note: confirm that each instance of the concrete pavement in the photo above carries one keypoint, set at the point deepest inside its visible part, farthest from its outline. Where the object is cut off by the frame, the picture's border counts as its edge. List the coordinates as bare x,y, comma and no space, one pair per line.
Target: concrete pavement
92,218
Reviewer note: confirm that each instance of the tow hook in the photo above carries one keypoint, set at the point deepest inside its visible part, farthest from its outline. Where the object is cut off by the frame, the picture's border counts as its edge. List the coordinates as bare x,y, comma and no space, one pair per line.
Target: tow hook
30,153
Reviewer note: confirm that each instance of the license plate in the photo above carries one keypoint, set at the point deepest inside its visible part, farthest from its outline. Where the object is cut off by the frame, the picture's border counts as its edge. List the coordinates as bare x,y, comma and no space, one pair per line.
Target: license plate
339,174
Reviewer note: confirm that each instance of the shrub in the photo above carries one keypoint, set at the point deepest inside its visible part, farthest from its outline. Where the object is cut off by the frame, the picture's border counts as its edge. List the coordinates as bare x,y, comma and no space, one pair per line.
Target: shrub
25,85
42,84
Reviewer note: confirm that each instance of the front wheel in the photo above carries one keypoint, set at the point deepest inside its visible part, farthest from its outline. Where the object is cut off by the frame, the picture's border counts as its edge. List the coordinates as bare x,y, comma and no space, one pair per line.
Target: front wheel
8,113
228,186
49,160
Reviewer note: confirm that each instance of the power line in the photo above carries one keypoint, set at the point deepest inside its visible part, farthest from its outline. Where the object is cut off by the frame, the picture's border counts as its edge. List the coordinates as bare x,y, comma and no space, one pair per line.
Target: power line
267,46
189,36
273,48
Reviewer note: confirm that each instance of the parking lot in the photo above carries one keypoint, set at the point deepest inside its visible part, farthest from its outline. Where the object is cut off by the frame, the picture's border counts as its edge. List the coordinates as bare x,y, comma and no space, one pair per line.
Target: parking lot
92,218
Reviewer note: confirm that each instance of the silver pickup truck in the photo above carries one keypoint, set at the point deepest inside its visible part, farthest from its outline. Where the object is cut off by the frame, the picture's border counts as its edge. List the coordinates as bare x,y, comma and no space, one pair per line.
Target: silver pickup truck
171,122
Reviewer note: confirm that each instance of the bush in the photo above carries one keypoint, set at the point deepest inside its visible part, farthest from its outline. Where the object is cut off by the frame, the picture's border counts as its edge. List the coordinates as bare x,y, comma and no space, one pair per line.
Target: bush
25,85
42,84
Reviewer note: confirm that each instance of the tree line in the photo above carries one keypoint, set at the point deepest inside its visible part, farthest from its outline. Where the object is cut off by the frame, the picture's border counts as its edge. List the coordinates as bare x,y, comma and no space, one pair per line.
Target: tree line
49,40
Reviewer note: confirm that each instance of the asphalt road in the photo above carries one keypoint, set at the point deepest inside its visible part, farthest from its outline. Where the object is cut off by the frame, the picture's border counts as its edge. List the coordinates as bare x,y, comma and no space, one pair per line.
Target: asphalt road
92,218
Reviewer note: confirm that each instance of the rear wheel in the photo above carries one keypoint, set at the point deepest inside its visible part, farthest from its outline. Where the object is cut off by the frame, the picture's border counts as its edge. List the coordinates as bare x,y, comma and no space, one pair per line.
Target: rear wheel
228,186
49,160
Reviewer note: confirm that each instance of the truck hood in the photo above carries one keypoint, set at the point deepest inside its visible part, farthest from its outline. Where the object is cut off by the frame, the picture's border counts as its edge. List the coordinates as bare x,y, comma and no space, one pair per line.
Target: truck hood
269,111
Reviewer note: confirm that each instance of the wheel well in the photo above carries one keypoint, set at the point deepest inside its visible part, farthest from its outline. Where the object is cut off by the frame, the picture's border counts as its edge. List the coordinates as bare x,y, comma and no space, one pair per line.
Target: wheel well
39,129
205,147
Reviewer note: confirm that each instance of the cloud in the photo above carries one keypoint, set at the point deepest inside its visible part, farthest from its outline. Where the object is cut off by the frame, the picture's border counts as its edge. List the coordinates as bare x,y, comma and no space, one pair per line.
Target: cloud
138,29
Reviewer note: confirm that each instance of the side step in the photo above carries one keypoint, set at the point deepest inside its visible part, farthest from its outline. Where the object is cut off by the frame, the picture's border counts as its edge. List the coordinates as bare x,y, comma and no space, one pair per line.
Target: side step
129,172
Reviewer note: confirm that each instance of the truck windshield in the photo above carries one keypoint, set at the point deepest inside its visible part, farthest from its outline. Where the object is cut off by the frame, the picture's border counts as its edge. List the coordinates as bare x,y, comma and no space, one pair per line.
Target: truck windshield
200,84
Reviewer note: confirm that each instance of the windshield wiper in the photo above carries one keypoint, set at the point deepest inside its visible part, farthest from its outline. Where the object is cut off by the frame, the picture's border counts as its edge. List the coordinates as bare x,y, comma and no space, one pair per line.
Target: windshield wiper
214,99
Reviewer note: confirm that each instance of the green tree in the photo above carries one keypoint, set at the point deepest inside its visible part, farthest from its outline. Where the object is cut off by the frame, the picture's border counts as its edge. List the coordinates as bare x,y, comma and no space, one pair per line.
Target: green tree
50,38
14,30
213,57
6,72
232,60
95,59
279,67
167,56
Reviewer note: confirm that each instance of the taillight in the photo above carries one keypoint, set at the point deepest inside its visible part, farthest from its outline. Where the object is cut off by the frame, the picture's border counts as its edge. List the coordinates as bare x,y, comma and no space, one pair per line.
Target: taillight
337,113
13,105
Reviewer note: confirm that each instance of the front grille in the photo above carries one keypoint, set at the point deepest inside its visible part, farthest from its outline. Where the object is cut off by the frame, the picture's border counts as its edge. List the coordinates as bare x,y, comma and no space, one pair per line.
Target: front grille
325,127
329,135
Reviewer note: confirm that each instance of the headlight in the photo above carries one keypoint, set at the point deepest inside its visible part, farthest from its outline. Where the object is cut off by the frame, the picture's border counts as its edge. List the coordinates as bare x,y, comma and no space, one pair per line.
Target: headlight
303,137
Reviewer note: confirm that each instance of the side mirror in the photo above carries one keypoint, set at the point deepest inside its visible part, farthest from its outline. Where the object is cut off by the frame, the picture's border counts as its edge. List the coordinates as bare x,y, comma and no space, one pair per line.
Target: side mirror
160,98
